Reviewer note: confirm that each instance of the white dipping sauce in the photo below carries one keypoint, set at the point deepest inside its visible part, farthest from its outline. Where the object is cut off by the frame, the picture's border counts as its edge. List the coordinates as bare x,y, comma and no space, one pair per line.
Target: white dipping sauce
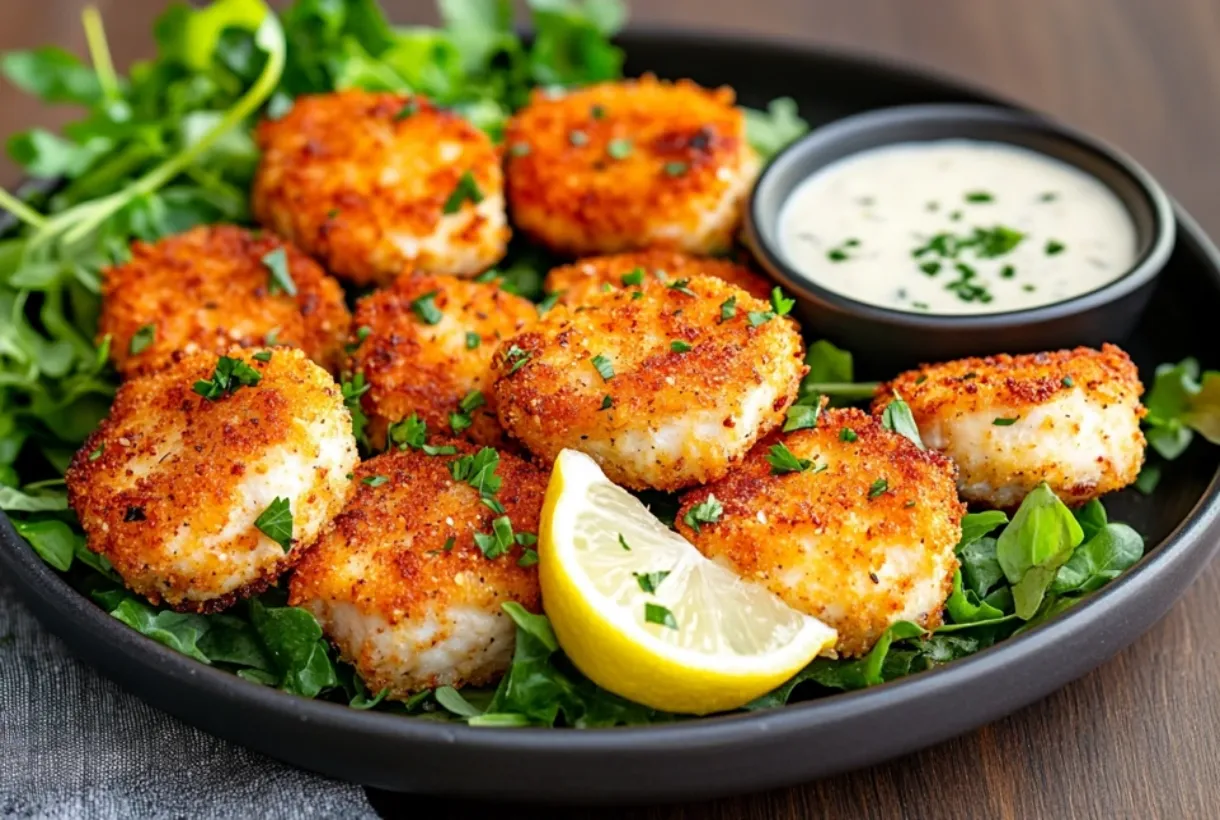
956,226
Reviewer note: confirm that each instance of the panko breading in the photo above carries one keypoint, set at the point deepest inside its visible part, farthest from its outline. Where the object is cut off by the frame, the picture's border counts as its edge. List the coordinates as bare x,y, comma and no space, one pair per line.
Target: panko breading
412,366
209,289
630,164
373,183
654,382
577,281
400,584
170,486
862,538
1069,418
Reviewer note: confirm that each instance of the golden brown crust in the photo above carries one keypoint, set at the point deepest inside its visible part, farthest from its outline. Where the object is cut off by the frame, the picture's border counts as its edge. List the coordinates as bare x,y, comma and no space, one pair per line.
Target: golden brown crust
157,486
362,185
389,553
818,538
567,189
413,367
577,281
550,395
208,289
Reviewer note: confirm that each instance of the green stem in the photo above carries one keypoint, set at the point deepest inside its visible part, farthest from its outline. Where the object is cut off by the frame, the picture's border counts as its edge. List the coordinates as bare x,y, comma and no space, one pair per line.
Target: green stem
99,53
22,211
842,390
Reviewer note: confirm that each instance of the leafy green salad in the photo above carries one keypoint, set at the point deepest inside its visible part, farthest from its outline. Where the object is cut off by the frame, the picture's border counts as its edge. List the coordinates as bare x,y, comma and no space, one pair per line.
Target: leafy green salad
169,146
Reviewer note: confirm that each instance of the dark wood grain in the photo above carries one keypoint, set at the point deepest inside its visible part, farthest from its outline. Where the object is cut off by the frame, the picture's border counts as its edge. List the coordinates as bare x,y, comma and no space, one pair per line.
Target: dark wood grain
1139,737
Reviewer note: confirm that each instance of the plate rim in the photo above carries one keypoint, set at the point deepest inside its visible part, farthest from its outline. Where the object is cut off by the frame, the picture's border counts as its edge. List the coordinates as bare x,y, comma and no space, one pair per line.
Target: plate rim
40,586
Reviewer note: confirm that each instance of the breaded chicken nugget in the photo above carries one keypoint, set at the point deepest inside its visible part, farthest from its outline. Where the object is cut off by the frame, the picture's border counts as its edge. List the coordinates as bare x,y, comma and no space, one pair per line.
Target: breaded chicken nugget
664,386
630,164
575,282
846,522
372,183
214,287
1069,418
199,501
409,583
427,350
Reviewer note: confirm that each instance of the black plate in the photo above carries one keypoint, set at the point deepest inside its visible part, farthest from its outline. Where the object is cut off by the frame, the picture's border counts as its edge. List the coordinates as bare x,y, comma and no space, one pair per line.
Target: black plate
714,756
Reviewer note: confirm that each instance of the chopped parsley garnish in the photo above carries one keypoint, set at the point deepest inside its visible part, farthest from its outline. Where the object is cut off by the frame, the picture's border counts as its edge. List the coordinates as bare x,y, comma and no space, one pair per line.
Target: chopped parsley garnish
409,109
728,308
229,375
1049,196
1054,247
607,402
413,432
622,542
681,286
802,417
780,306
263,356
449,544
471,401
603,367
955,216
499,541
649,581
94,455
619,148
374,480
332,213
578,138
879,487
528,558
897,418
473,340
492,504
1068,381
657,614
276,523
836,255
362,333
679,347
425,308
1008,272
987,243
478,470
549,302
518,357
352,389
634,278
281,279
847,434
707,511
979,197
676,168
519,149
466,189
634,296
783,461
1005,422
930,268
142,338
598,111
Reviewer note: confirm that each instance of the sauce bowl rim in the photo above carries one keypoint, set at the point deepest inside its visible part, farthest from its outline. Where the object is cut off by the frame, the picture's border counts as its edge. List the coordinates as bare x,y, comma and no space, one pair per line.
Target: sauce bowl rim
1146,267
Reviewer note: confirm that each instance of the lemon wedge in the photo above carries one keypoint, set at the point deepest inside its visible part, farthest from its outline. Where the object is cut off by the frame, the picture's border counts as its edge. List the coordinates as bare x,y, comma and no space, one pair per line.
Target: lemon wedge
643,614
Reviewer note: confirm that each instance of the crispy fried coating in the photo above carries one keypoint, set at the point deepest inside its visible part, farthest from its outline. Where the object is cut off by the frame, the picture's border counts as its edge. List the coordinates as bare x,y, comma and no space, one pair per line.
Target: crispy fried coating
862,538
577,281
654,383
209,289
373,183
401,586
411,366
170,486
1070,418
630,164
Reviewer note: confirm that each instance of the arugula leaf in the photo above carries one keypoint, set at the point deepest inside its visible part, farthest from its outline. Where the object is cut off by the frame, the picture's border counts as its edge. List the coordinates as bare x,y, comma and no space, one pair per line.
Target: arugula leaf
1039,539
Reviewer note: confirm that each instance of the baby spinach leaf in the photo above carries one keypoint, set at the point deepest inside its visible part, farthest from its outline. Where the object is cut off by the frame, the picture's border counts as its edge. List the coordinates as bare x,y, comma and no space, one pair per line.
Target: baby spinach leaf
233,640
14,500
830,374
54,541
981,569
770,131
976,525
451,699
53,75
1091,518
1099,560
179,631
293,639
965,606
1039,539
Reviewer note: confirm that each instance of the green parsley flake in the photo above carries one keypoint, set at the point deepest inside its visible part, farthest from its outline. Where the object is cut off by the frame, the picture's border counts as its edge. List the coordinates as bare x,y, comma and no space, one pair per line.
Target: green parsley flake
681,286
374,480
549,302
425,308
847,434
478,470
142,338
409,109
597,112
281,279
1005,422
518,357
96,454
229,375
528,558
362,333
783,461
603,367
879,487
978,197
1068,381
1055,247
263,356
676,168
578,138
679,347
728,308
657,614
802,417
276,523
473,340
466,189
499,541
607,402
649,581
707,511
633,279
619,148
449,544
622,542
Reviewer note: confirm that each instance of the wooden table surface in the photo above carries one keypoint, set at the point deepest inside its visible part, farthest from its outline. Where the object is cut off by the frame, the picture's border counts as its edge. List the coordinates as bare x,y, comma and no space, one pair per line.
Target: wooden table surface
1139,737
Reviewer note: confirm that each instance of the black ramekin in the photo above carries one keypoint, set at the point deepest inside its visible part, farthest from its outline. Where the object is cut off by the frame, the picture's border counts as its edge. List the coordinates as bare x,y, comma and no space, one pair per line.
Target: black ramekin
887,338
